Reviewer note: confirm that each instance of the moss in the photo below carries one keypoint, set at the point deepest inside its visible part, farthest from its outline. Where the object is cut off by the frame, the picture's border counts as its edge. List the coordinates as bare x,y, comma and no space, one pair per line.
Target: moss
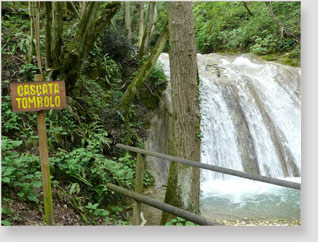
290,61
285,59
170,197
151,102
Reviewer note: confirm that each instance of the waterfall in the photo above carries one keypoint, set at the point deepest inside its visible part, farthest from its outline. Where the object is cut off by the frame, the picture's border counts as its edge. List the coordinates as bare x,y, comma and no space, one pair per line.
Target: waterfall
250,115
250,121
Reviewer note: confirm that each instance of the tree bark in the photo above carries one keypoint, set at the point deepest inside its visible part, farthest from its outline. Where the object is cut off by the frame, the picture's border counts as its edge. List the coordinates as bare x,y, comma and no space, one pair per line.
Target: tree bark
127,20
37,35
146,38
66,63
48,36
248,10
146,68
141,23
284,31
183,181
154,21
31,13
83,6
57,41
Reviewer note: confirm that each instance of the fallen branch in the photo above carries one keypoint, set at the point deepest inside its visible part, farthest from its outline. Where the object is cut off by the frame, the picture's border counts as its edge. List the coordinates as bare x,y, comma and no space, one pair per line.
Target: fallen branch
144,221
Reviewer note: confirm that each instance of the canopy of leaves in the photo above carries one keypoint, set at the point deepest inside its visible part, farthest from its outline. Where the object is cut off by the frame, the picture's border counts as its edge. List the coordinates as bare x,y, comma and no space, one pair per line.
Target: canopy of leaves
229,26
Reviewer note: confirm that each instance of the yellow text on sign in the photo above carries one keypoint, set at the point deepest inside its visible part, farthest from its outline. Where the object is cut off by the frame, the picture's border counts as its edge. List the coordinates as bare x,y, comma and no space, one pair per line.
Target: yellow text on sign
36,96
31,95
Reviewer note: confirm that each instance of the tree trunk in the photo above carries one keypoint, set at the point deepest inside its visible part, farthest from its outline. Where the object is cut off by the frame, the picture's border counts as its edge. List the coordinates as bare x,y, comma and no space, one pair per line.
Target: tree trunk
248,10
83,6
57,41
37,35
67,63
48,36
146,68
183,181
127,20
31,13
146,38
154,21
284,31
141,23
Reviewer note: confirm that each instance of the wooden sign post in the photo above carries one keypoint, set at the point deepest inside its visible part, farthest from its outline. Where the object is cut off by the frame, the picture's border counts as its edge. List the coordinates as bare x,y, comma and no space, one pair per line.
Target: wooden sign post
39,96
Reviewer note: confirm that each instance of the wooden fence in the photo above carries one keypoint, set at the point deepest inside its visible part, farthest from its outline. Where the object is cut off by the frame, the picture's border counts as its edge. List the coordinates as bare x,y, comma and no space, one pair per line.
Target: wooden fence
139,198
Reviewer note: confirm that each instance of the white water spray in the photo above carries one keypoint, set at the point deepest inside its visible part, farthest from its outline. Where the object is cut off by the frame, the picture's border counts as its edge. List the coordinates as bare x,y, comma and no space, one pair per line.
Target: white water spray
250,121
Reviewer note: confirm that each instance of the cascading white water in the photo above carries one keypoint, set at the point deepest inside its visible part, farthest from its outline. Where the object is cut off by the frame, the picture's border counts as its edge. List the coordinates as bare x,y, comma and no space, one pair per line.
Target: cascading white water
250,121
250,115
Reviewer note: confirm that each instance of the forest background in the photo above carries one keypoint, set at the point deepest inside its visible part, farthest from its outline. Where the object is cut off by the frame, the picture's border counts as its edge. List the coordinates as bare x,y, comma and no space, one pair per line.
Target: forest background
81,138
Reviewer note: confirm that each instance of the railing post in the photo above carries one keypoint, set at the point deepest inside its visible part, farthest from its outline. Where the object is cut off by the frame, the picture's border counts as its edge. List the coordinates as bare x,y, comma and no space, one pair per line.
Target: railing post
138,187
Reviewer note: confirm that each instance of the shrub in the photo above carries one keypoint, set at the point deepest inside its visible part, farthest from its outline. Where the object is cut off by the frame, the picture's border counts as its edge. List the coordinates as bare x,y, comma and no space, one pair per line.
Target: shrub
118,46
20,172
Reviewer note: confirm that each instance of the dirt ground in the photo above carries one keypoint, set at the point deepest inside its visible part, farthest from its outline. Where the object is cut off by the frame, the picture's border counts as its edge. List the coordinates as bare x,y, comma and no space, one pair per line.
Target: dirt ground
153,215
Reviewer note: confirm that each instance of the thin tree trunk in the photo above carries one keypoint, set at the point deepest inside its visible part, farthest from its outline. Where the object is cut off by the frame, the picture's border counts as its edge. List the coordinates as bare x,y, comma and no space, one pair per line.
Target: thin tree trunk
146,38
248,10
183,182
37,36
141,23
31,13
57,41
48,36
83,6
76,51
146,68
127,20
76,11
154,20
284,31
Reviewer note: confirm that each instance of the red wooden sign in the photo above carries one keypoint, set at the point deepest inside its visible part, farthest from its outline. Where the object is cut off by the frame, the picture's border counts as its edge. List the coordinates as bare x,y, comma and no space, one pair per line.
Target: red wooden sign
36,96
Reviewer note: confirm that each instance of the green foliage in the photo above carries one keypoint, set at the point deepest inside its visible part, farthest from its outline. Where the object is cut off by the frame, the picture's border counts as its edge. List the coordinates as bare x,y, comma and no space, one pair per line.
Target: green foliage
20,172
5,223
10,122
179,222
93,136
100,66
28,69
92,209
227,26
157,76
155,84
93,171
117,46
265,45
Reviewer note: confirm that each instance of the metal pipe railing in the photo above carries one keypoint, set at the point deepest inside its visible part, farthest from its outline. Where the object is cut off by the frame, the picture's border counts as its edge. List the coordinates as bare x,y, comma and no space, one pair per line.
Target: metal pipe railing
163,206
227,171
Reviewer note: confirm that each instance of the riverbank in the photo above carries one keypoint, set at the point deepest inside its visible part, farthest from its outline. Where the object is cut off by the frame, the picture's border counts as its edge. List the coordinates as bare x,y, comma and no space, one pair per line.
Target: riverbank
257,222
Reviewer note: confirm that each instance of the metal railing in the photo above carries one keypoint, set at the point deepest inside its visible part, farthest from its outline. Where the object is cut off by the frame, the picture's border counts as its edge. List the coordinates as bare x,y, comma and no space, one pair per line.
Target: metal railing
227,171
174,210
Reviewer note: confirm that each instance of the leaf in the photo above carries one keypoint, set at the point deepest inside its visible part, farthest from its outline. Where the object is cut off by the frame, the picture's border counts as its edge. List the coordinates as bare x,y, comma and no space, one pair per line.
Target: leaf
28,176
33,198
6,179
37,184
21,194
95,206
180,219
72,189
169,224
105,213
5,223
188,223
173,220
